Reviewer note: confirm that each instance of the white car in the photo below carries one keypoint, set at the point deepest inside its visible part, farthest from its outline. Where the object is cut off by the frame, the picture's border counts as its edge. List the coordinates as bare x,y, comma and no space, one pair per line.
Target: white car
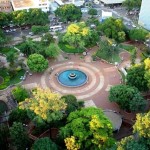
31,33
134,26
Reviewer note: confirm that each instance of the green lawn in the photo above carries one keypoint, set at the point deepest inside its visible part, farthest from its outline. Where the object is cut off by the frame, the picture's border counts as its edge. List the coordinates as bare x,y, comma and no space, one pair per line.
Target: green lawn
127,47
10,80
69,49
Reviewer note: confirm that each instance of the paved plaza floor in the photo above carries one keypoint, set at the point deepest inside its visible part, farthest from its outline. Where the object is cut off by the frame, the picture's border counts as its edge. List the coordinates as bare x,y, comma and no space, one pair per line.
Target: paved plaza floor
101,76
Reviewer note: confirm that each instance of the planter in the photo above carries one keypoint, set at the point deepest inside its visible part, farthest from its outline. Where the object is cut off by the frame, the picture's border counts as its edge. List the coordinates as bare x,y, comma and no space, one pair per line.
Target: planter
54,133
127,114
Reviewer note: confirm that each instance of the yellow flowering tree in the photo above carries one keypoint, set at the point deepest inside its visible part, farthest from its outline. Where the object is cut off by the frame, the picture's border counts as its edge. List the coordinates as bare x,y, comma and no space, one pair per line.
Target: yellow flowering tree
44,105
76,34
147,71
142,125
140,140
87,128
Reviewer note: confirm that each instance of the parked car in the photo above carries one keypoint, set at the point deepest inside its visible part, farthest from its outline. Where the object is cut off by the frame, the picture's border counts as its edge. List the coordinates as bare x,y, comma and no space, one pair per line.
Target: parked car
31,33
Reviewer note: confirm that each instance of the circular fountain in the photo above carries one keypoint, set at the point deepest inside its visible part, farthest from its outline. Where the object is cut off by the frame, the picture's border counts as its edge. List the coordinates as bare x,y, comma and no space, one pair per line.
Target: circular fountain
72,78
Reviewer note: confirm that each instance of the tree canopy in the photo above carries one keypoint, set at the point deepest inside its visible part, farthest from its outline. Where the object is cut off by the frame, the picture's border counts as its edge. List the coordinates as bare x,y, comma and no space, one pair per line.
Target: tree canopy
18,136
87,128
68,12
37,63
44,144
127,97
92,11
113,28
44,106
52,51
138,34
130,4
136,77
79,35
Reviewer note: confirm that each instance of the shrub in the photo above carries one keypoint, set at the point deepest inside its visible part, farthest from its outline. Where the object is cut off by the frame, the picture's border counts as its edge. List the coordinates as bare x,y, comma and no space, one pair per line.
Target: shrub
20,93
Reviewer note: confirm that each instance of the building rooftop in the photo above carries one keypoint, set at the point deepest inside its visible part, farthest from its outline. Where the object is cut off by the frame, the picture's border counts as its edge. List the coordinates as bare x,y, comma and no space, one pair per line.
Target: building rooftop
23,3
112,1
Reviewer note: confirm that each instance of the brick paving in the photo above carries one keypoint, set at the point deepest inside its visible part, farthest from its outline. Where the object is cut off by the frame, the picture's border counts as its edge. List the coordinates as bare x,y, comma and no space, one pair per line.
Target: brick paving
101,76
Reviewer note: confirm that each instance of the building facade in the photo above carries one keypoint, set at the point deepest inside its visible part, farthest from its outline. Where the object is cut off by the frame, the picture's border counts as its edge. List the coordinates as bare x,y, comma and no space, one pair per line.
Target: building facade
27,4
144,15
5,6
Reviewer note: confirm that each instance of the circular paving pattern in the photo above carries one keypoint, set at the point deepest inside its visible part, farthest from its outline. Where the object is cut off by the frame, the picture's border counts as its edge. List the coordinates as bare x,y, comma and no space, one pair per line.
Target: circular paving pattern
93,85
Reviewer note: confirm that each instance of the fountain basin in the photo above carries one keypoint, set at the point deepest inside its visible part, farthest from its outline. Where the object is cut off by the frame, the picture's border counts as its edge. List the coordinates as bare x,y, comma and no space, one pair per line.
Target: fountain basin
72,78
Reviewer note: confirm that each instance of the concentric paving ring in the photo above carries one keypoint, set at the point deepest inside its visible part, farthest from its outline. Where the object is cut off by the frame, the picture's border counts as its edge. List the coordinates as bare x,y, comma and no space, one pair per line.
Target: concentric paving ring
94,84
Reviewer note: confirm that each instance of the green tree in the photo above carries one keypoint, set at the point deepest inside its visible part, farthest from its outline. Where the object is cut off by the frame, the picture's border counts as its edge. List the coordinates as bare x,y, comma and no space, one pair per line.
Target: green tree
18,115
113,28
52,51
130,4
68,12
92,12
44,106
37,17
20,93
3,19
136,77
47,39
107,50
18,136
20,17
87,128
138,34
128,98
40,29
72,103
3,38
44,144
4,135
37,63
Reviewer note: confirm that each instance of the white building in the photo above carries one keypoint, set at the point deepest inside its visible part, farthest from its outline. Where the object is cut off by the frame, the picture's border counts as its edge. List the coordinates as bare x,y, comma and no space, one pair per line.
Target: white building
109,2
27,4
144,16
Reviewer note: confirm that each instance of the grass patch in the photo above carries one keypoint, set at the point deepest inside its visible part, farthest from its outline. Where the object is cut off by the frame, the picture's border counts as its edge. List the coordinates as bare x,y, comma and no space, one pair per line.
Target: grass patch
8,80
69,49
112,59
127,47
7,50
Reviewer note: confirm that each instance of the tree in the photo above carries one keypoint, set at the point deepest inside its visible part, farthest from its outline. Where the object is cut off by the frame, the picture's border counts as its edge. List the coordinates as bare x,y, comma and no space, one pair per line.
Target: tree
18,115
20,93
142,125
18,136
136,77
92,12
20,17
4,135
113,28
40,29
76,35
72,103
68,12
44,106
37,63
107,50
47,39
3,19
138,34
3,38
127,97
130,4
52,51
87,128
44,144
38,17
